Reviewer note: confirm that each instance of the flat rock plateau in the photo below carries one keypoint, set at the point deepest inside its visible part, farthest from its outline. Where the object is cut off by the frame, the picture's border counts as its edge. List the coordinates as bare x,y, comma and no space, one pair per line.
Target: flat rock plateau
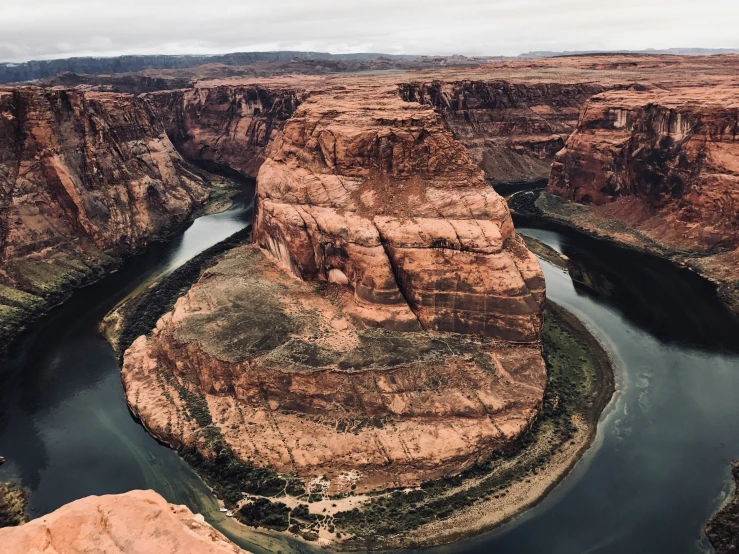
380,342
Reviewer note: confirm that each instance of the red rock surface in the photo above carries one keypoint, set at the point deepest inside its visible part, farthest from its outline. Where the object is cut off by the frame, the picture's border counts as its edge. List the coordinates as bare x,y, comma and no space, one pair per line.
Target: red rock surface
370,200
137,522
275,370
84,179
227,124
511,130
665,162
368,191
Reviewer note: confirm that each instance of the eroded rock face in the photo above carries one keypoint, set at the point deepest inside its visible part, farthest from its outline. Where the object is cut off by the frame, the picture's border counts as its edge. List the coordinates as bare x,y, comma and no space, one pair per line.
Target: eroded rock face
275,370
84,178
664,162
137,522
371,192
368,336
226,124
512,130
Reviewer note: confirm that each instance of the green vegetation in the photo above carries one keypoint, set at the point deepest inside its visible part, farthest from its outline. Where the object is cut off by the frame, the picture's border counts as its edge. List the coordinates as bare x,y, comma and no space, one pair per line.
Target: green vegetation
12,505
142,312
263,513
39,285
380,348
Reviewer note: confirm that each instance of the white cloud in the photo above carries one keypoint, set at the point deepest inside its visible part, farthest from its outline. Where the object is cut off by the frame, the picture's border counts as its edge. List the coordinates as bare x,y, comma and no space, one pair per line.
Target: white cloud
61,28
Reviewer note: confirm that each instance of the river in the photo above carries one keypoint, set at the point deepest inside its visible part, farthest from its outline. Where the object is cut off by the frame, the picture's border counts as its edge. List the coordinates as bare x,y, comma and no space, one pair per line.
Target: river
654,475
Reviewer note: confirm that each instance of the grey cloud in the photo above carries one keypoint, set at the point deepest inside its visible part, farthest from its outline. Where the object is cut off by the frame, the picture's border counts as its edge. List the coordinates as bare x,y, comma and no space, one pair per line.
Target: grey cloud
59,28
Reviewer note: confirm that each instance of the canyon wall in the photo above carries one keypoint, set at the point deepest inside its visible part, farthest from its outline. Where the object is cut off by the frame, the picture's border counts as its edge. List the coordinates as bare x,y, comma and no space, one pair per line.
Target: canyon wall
664,162
511,130
137,522
85,178
226,124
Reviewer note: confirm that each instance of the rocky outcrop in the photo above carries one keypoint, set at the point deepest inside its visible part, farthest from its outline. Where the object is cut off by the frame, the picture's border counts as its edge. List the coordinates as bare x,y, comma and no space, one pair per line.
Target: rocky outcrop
226,124
512,130
665,162
370,192
255,364
137,522
723,527
390,336
85,178
658,170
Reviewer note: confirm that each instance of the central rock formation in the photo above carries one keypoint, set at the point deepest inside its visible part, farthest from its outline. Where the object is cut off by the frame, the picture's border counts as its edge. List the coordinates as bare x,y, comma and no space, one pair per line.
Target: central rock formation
368,191
138,522
390,336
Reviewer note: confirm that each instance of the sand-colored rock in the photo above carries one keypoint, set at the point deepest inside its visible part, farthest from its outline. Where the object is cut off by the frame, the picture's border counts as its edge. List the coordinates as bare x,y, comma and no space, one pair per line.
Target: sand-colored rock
137,522
290,382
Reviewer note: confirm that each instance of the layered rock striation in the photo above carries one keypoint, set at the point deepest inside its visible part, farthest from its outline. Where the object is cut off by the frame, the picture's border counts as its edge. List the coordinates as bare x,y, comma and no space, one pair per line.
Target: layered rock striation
85,178
275,372
667,162
227,124
371,192
659,170
511,129
385,328
137,522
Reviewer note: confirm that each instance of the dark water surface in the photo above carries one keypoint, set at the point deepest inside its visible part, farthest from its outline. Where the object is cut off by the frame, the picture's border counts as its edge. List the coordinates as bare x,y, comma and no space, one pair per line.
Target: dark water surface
65,429
661,461
655,474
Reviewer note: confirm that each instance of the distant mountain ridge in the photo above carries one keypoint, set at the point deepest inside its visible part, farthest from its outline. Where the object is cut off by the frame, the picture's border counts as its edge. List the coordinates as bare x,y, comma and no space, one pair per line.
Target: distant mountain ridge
673,51
40,69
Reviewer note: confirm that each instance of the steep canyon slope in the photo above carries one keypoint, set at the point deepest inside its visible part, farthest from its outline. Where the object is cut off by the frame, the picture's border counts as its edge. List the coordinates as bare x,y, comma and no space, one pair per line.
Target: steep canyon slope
511,130
665,165
85,178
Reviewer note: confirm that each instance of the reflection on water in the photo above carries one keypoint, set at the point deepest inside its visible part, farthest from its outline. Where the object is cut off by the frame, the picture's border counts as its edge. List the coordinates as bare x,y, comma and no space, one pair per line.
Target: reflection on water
661,461
654,476
64,426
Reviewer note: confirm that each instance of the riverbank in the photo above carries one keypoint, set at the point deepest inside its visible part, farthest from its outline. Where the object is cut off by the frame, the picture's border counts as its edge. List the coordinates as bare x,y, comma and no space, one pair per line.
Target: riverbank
486,495
137,314
723,527
717,266
51,284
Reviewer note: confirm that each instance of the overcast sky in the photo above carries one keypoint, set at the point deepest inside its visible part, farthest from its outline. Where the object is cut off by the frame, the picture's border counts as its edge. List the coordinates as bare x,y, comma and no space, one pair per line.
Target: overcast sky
33,29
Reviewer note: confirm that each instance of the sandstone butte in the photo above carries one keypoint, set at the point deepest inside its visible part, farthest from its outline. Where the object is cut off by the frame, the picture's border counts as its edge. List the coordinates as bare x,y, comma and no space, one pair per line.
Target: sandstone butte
137,522
368,208
384,329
